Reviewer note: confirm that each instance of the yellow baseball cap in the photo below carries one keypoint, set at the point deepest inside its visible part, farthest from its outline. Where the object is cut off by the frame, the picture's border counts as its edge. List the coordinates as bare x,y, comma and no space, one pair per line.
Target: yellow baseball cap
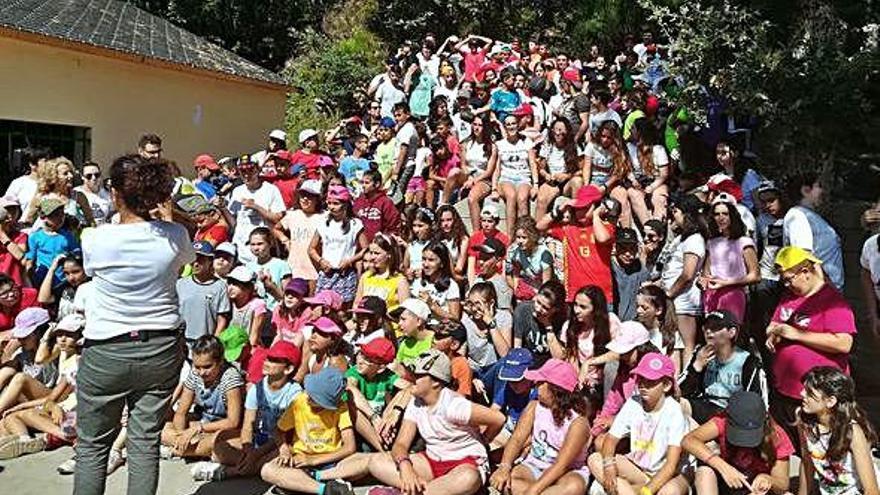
792,256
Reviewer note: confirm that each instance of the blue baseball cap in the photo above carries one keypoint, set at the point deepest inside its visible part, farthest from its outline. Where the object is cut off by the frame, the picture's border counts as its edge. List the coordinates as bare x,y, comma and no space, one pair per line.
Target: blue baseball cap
515,364
387,122
325,387
204,248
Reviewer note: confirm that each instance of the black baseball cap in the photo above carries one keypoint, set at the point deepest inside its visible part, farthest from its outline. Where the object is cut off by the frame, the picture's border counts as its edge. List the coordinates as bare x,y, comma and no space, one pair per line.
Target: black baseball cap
450,328
720,318
745,419
626,236
491,248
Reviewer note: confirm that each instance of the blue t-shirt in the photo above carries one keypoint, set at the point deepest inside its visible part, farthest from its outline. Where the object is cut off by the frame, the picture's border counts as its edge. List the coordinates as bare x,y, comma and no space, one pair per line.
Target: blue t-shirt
504,102
512,404
44,247
270,405
207,189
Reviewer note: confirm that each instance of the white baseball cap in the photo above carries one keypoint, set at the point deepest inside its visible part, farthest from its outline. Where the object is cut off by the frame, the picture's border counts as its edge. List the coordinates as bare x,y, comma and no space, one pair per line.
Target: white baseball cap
306,134
415,306
242,274
278,134
312,186
228,248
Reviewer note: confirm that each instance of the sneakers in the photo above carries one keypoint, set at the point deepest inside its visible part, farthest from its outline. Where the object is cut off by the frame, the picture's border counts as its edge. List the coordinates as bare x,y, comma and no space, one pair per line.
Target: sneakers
208,471
338,487
22,446
383,490
67,467
115,461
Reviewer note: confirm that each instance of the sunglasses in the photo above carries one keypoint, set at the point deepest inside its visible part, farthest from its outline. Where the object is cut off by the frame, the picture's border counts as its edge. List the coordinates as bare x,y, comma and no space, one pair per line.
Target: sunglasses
92,176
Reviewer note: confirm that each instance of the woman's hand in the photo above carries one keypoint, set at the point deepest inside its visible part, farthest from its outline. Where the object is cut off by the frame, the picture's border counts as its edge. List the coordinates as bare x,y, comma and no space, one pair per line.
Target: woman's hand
704,356
500,479
732,476
609,481
762,484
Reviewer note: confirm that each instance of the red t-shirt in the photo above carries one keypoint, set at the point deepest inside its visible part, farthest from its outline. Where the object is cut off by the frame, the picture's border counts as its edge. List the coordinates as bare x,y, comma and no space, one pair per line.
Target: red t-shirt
478,238
749,461
586,262
215,234
825,311
8,264
310,160
472,63
7,318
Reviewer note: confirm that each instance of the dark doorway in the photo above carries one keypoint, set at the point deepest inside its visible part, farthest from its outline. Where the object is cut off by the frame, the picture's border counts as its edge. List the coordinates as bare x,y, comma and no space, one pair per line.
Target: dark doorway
69,141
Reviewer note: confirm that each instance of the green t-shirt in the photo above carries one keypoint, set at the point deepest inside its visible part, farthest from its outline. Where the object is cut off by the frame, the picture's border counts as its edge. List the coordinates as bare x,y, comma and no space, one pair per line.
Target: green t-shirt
375,390
411,348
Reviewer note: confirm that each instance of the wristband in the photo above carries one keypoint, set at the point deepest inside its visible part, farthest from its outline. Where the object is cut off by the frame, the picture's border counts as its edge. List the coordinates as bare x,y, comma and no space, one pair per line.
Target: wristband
401,459
504,465
611,461
645,491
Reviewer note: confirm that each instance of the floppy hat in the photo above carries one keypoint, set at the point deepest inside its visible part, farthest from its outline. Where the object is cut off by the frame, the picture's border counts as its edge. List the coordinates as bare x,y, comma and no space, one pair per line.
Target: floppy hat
433,363
792,256
555,371
50,205
515,364
325,387
234,339
654,366
630,335
28,320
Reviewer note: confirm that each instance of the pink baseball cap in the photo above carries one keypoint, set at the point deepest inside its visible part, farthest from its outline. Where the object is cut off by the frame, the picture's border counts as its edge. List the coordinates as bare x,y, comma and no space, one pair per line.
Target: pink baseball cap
654,366
339,193
557,372
631,334
327,298
326,325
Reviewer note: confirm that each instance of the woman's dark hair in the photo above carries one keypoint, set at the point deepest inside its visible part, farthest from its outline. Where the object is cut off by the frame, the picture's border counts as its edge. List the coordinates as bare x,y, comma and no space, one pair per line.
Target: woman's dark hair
486,290
694,221
388,245
603,95
437,143
658,226
485,138
831,382
794,183
374,175
434,110
444,277
140,183
458,231
425,216
647,139
208,345
530,227
149,139
348,210
739,170
565,403
668,323
601,325
737,227
554,291
619,156
569,147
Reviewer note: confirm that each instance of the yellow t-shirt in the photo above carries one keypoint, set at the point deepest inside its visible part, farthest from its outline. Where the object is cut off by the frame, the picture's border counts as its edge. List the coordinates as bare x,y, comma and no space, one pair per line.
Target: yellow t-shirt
316,430
383,286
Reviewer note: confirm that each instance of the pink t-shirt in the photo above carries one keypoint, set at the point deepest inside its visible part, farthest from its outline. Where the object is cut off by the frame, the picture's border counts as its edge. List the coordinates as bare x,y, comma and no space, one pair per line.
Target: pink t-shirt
288,326
726,256
825,311
472,63
587,349
548,438
444,427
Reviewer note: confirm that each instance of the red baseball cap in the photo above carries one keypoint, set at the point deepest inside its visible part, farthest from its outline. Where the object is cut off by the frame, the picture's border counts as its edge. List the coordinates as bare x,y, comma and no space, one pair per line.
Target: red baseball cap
524,109
380,349
571,75
205,161
723,183
285,351
585,196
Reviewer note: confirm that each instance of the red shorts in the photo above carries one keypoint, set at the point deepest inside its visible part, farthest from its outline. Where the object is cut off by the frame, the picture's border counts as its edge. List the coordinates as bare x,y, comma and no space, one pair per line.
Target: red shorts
442,468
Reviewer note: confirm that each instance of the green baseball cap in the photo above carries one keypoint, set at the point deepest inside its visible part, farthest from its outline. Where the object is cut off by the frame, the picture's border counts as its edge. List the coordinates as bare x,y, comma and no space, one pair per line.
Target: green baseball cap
234,338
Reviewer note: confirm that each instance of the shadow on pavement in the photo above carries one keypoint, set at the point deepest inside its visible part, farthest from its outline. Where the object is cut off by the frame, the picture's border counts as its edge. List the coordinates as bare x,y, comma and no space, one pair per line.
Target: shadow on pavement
239,486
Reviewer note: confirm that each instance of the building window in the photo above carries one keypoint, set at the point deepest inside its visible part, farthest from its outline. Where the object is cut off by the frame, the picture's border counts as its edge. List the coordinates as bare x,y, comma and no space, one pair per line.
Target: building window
72,142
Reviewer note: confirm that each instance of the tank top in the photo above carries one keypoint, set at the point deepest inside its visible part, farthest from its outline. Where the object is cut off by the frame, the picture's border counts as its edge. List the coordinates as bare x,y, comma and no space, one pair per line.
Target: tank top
834,478
477,161
384,287
547,440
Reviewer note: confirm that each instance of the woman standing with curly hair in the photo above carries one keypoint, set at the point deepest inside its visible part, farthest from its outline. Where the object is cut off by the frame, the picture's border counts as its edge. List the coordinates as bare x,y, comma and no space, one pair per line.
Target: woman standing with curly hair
134,344
55,178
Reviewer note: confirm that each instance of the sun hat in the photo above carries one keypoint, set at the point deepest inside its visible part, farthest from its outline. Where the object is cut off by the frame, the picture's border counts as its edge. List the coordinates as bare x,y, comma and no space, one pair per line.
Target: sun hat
311,186
298,286
654,366
515,364
585,196
325,387
50,205
792,256
326,325
72,323
306,134
203,248
630,335
234,339
415,306
555,371
339,193
746,416
28,320
432,363
242,274
285,351
326,297
226,248
371,305
278,134
379,349
205,161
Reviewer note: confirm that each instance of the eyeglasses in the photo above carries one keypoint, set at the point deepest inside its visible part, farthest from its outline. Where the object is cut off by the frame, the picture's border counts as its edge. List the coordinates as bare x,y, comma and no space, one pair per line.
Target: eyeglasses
787,280
9,293
92,176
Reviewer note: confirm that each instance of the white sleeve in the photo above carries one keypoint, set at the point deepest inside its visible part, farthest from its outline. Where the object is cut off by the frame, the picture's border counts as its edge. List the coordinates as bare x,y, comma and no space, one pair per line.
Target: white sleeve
276,202
695,245
869,247
661,159
622,424
458,410
678,426
796,230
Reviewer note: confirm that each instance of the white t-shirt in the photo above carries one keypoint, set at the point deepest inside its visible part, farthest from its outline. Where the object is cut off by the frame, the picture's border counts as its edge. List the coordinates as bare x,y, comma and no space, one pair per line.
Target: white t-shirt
134,269
870,260
657,339
596,119
388,96
102,205
555,158
337,245
444,427
694,244
650,434
513,158
23,189
422,155
477,161
408,136
452,293
247,219
659,159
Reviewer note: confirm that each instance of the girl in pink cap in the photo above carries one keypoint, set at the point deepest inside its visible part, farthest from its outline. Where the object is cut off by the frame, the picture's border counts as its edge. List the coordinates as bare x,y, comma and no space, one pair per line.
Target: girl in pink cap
325,347
557,428
338,245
